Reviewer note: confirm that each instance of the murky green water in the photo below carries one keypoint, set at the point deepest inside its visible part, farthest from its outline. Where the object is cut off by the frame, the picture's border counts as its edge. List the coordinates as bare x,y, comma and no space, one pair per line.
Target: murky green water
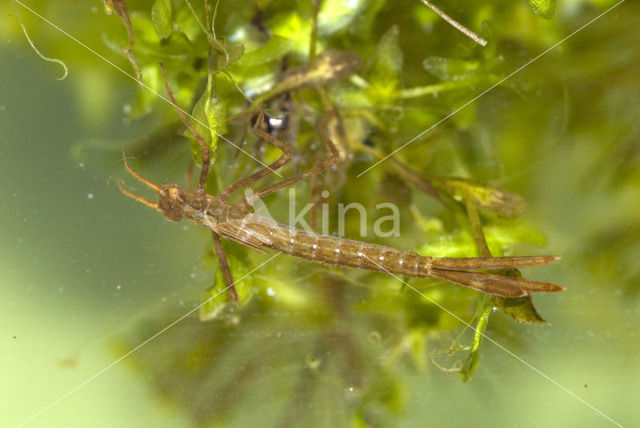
87,275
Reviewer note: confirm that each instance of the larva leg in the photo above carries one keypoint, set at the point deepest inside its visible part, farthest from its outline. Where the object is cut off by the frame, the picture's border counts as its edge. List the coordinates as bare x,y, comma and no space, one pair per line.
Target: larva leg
224,267
283,159
318,167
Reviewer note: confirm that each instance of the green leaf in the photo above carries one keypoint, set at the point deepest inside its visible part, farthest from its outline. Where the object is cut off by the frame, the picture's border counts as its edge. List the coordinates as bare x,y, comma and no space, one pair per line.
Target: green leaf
504,203
520,309
484,309
449,68
223,55
470,365
146,100
338,14
543,8
383,68
161,17
328,68
213,302
458,244
211,115
387,59
417,346
488,52
294,27
332,66
503,234
273,50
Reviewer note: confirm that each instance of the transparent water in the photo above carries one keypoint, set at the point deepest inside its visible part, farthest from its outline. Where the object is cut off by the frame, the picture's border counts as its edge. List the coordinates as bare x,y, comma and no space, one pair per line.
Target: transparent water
86,275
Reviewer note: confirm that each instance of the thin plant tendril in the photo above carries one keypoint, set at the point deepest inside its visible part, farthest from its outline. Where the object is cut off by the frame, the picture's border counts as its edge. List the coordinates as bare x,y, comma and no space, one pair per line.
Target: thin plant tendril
213,19
40,54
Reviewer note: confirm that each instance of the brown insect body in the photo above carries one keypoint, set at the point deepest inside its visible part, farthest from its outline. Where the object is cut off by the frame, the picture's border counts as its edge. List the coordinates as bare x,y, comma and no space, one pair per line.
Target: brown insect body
234,221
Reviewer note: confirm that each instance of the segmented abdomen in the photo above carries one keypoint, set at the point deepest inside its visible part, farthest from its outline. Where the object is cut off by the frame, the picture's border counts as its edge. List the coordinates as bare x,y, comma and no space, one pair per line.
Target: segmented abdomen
338,251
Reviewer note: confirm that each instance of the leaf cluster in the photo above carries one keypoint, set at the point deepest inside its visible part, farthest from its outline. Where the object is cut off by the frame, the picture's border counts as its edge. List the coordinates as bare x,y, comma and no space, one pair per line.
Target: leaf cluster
370,63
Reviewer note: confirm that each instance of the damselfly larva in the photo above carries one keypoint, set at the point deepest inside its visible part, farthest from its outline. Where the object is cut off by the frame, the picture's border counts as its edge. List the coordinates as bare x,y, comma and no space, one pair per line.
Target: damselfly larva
234,221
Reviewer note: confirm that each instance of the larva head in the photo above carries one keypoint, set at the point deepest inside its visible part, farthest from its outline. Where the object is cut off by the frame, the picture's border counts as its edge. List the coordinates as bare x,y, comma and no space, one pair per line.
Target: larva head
171,202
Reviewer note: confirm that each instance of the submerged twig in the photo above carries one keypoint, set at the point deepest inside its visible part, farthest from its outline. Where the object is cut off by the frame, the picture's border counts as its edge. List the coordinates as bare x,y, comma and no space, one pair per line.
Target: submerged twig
121,9
132,60
464,30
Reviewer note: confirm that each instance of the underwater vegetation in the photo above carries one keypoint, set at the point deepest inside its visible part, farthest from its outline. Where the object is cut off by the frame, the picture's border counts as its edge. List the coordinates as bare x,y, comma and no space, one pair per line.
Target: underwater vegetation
447,130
